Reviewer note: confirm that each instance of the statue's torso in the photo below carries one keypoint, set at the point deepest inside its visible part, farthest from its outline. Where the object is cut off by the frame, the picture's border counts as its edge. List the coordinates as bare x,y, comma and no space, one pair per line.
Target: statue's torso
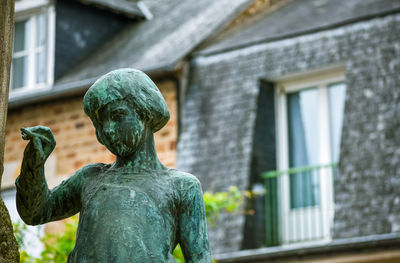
127,218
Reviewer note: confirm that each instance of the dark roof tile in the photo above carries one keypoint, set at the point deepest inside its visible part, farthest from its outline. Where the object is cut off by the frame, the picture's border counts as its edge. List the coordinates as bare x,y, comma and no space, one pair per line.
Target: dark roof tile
158,44
301,17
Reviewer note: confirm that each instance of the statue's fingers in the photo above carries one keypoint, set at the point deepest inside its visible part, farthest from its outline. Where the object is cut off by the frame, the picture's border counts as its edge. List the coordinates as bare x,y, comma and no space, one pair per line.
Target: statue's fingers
37,132
40,129
26,134
43,132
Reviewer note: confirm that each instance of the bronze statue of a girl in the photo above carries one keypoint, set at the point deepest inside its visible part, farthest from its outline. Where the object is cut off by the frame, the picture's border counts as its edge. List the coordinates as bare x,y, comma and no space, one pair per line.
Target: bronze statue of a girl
133,210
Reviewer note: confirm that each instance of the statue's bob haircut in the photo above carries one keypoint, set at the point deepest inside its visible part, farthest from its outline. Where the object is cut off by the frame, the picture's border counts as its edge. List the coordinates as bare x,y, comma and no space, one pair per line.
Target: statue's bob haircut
133,86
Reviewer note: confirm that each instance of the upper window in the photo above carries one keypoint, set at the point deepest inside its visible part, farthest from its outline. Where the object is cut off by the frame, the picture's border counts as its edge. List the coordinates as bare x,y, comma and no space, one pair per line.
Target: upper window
314,117
310,114
32,64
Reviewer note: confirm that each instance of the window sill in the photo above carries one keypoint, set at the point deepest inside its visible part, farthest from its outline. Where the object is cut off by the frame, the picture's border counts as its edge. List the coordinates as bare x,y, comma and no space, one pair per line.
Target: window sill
25,94
312,249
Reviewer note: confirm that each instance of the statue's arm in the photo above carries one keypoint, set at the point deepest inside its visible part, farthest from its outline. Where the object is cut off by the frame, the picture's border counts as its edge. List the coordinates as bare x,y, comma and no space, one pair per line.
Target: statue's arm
36,204
193,236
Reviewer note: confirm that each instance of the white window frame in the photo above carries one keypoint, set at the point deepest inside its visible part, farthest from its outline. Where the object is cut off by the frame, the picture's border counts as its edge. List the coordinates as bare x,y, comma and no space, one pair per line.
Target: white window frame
321,80
29,10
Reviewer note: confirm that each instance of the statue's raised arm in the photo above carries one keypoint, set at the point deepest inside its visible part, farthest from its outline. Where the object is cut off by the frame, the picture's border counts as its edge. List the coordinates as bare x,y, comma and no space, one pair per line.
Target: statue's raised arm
36,204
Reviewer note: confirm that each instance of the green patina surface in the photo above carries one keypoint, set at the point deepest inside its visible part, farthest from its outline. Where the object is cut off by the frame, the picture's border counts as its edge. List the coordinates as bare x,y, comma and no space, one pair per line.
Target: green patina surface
133,210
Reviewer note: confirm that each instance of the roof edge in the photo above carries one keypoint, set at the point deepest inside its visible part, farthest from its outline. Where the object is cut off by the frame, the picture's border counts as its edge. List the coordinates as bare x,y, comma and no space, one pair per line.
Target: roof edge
211,52
64,90
131,9
56,92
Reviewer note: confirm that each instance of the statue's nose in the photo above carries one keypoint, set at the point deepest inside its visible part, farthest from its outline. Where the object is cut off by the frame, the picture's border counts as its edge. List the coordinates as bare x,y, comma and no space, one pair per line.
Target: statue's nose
109,131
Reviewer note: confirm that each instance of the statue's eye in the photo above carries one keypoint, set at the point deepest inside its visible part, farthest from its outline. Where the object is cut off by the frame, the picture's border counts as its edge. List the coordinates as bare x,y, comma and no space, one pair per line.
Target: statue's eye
118,114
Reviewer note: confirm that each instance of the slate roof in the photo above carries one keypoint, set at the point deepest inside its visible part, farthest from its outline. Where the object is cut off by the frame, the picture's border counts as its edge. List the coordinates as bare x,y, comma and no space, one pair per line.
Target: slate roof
301,17
154,45
159,44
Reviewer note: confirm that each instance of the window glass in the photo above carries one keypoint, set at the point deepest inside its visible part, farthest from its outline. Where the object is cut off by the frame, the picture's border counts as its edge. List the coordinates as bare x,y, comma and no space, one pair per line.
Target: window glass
19,73
41,29
303,127
303,146
20,36
41,67
336,93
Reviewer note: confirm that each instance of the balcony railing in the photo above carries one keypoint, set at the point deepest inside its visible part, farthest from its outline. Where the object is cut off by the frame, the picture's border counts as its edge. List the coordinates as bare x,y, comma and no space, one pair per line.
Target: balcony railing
299,204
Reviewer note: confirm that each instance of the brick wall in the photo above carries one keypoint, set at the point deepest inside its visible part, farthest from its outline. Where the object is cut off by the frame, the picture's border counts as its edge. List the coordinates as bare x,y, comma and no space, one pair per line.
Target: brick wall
220,108
75,135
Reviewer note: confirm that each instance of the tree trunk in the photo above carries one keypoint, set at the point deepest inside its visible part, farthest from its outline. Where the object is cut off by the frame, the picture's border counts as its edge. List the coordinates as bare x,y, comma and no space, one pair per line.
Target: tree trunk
8,245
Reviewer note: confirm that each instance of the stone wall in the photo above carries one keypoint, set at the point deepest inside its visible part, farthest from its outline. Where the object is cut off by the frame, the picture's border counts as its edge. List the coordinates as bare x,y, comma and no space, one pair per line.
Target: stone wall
216,135
220,111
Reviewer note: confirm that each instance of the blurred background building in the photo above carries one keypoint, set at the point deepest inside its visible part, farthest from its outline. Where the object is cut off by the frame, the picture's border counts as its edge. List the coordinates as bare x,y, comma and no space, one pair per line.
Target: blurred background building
297,100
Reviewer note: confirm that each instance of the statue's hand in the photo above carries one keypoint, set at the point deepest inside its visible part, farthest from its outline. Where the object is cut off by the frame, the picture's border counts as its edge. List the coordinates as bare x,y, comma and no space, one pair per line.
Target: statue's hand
41,144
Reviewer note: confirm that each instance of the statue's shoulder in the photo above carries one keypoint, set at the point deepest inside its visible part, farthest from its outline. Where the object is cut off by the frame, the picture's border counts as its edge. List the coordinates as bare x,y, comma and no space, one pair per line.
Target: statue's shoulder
92,169
184,180
187,188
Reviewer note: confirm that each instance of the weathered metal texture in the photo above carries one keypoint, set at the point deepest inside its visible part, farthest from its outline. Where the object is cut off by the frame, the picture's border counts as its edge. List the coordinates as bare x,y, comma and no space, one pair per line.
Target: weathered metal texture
134,210
8,245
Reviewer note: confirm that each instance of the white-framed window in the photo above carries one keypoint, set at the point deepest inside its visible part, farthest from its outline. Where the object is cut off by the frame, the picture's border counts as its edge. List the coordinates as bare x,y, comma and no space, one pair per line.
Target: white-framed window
309,124
33,48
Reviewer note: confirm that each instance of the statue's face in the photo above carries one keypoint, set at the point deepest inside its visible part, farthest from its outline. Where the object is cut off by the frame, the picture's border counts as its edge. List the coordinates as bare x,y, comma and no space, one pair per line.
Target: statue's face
119,128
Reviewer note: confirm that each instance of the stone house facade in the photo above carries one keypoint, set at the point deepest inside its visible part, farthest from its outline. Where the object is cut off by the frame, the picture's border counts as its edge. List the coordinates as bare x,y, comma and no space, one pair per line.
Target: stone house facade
312,83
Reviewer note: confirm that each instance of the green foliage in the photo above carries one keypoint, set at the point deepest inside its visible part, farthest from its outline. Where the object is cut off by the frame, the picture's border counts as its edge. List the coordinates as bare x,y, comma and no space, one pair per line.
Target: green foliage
178,255
19,233
215,203
58,246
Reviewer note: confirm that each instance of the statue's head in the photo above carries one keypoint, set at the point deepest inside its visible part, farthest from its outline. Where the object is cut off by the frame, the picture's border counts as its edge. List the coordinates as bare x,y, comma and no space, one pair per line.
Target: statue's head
123,104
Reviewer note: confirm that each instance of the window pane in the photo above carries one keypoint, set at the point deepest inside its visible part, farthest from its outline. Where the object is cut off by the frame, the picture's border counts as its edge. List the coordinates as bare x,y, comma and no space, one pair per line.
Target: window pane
19,73
41,67
41,29
303,127
336,93
303,146
20,36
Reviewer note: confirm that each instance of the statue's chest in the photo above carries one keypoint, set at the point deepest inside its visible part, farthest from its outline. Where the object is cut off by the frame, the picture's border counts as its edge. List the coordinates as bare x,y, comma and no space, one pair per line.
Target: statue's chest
127,194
